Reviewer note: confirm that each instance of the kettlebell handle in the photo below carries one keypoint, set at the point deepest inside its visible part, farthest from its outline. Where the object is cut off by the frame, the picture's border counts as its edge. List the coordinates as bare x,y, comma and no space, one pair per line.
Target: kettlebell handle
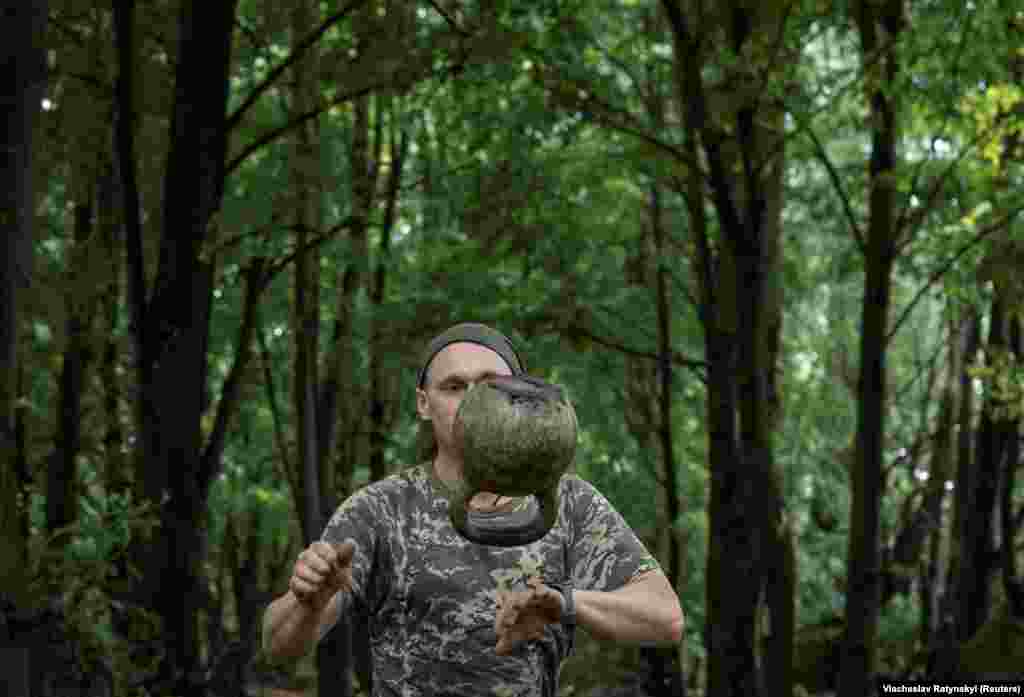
513,529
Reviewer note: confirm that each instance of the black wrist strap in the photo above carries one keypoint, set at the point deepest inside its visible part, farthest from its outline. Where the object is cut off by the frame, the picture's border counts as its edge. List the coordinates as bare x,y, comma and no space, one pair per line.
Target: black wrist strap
568,619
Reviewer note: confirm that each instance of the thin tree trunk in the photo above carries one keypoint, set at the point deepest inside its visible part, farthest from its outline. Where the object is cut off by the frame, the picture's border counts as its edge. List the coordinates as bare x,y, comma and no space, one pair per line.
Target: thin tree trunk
670,663
115,476
879,25
941,659
381,388
918,526
62,474
1013,584
1009,285
940,474
971,338
977,552
305,171
864,560
315,420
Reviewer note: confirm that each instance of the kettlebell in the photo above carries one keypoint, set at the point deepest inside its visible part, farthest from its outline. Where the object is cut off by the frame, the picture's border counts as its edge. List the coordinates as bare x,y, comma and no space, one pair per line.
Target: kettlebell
517,435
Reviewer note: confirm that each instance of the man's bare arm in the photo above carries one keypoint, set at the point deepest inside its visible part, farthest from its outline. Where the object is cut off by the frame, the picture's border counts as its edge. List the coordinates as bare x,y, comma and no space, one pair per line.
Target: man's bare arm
645,611
292,628
296,621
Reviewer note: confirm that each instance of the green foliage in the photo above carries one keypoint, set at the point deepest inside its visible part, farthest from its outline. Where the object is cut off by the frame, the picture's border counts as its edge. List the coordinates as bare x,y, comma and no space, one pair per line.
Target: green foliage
86,572
1003,376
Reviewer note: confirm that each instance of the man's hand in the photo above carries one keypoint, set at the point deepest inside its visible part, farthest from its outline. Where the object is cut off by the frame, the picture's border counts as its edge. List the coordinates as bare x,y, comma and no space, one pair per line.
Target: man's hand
321,571
522,615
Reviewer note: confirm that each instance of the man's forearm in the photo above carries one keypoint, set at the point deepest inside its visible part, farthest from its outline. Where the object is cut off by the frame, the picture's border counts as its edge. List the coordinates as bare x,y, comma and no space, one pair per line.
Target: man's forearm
291,628
641,612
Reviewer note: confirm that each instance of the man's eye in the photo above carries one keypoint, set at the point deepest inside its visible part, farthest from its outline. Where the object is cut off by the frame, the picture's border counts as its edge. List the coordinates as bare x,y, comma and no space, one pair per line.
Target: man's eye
455,386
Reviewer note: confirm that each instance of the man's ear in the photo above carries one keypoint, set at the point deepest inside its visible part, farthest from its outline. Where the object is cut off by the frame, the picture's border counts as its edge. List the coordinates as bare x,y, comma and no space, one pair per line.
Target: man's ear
422,405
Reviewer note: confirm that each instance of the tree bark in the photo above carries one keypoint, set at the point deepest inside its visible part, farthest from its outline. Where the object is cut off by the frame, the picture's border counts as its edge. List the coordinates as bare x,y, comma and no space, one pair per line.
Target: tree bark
62,475
22,85
750,554
879,25
171,324
649,395
116,475
668,663
1009,517
305,173
977,534
381,387
941,473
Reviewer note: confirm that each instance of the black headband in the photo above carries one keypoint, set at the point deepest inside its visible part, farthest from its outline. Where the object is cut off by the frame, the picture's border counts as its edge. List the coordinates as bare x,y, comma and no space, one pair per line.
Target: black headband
474,333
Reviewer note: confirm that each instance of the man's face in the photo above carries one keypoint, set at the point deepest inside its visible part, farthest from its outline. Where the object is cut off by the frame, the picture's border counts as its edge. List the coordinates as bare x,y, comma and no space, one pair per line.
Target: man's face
452,371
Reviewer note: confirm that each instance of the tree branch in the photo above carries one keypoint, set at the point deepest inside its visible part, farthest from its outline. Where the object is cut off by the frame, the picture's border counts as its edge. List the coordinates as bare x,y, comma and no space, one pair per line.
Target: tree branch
296,53
320,239
965,30
904,217
275,133
257,278
942,270
677,358
837,184
124,138
275,412
448,18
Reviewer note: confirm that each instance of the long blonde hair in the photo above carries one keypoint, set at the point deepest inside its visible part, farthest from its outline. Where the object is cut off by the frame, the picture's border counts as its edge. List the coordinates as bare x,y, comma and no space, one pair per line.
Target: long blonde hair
426,442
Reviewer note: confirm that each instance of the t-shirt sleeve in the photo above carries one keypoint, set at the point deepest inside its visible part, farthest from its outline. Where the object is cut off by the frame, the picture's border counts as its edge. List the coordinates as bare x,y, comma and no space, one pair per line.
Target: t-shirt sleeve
361,518
605,553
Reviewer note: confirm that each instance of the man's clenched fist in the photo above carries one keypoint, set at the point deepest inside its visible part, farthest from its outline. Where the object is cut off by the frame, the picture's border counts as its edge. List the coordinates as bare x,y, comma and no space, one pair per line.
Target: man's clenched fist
322,570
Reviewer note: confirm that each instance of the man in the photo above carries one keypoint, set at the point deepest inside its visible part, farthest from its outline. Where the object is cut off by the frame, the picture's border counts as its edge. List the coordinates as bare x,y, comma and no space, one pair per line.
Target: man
448,617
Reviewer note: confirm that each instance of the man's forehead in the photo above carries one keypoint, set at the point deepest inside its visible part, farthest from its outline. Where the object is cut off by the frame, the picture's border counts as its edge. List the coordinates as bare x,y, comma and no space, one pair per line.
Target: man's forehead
467,360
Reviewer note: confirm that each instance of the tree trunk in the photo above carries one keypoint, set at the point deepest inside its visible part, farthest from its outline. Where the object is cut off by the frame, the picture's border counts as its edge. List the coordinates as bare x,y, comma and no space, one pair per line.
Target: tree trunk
668,664
335,653
971,339
732,587
305,174
116,476
750,553
977,540
942,654
649,394
382,389
941,473
1010,518
172,324
919,524
864,557
22,84
62,489
879,25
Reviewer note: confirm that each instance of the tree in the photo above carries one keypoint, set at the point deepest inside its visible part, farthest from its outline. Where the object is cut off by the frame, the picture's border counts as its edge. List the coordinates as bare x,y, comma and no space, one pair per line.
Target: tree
736,127
879,28
22,85
170,321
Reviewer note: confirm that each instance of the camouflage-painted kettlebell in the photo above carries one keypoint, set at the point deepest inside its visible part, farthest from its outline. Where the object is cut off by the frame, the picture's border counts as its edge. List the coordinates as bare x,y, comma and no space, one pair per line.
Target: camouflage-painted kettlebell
517,435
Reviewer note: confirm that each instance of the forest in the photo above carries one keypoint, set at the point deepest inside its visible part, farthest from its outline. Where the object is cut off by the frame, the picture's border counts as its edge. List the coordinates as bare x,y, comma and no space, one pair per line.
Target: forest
773,249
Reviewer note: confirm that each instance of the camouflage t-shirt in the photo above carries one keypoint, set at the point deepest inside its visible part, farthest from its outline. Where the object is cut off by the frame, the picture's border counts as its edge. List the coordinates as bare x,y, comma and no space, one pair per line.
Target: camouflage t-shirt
431,595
